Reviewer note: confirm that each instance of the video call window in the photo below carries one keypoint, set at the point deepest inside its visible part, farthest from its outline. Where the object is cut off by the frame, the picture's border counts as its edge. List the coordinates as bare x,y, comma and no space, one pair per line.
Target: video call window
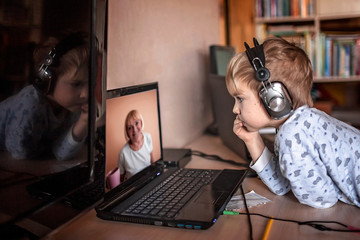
118,104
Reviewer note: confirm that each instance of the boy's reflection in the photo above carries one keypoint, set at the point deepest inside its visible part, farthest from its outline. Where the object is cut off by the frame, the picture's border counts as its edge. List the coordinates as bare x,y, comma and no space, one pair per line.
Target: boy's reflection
137,152
51,115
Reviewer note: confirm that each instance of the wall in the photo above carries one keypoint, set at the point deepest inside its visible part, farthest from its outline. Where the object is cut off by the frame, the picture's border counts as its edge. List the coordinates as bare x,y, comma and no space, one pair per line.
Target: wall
167,42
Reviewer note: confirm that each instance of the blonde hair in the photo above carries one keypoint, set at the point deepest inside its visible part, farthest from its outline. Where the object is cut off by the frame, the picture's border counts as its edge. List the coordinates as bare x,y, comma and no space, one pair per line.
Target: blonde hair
133,114
287,64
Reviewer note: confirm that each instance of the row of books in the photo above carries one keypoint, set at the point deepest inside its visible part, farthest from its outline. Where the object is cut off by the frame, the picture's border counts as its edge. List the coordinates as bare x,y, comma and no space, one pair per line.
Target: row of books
284,8
303,36
340,55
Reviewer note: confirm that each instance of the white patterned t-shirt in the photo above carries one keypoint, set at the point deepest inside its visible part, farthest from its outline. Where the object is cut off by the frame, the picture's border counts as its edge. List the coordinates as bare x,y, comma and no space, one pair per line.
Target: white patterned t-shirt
317,157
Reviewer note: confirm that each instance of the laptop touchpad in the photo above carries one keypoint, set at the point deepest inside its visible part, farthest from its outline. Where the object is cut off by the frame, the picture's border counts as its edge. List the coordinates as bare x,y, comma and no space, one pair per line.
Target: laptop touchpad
209,197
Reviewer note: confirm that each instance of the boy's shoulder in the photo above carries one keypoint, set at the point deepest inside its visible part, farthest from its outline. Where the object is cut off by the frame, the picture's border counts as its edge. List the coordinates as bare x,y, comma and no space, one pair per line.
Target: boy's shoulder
307,119
305,114
32,98
28,101
303,119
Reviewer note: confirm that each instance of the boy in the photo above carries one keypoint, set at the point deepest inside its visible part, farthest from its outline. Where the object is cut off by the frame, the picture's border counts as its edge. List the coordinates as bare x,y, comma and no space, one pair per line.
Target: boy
50,116
315,155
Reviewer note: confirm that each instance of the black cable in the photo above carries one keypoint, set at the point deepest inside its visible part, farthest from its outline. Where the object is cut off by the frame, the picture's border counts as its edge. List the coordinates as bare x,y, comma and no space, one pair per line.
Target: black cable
314,224
247,213
217,158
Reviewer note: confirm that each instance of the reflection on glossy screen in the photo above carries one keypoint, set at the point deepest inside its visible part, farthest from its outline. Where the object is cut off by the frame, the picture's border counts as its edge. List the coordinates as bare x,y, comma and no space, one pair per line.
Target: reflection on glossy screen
47,120
132,133
46,129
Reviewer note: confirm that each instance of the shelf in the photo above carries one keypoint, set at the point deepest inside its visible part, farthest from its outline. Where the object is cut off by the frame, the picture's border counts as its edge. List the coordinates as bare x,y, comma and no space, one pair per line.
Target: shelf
336,79
338,17
289,19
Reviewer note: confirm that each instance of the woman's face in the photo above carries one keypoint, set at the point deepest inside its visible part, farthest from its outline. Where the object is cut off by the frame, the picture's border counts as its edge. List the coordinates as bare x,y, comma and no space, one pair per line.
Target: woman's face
133,129
71,89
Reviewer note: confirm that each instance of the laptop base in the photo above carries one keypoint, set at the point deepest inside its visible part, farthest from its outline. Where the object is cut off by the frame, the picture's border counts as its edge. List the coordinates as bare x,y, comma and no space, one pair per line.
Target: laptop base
176,157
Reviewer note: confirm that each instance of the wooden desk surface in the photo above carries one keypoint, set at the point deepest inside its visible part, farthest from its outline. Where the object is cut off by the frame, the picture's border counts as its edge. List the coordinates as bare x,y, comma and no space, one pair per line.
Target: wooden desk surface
228,226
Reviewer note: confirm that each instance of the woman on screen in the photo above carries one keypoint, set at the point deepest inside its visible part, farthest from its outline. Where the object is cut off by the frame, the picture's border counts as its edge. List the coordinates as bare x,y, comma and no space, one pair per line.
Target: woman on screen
137,153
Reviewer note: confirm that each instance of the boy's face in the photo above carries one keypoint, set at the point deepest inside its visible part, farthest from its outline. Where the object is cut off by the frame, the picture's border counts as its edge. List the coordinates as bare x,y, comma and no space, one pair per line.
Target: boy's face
71,89
249,109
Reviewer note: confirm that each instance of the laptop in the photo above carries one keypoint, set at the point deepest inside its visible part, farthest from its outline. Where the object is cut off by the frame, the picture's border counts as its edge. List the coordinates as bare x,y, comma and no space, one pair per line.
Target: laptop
161,194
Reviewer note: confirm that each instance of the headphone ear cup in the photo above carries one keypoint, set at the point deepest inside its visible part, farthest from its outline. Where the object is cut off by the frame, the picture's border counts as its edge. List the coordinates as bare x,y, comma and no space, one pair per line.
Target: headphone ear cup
45,75
262,74
276,100
44,80
277,103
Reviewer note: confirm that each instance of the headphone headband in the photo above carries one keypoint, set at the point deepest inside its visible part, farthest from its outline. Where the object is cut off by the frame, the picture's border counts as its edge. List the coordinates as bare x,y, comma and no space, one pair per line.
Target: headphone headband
274,97
255,53
256,57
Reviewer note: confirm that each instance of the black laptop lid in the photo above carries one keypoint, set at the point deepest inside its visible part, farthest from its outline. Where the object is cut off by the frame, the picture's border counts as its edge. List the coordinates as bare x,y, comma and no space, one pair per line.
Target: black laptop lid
143,98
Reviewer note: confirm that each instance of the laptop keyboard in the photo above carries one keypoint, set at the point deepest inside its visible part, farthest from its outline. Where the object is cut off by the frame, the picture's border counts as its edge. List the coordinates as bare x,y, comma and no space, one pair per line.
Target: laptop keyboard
167,198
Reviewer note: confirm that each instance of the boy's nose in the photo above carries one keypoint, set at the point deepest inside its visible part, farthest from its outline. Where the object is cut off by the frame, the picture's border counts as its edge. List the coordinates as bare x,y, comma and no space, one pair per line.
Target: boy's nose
236,110
84,92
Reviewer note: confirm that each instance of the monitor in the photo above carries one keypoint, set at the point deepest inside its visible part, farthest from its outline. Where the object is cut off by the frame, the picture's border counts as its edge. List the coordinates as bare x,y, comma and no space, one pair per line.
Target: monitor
220,57
41,189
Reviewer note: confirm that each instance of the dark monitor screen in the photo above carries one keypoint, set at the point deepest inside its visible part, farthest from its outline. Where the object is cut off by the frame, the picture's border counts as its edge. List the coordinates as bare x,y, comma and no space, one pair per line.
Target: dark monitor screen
220,57
52,61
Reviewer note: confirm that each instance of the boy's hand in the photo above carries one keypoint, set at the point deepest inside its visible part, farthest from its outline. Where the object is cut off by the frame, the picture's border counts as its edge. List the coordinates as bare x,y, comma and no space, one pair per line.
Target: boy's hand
253,140
80,127
242,132
84,115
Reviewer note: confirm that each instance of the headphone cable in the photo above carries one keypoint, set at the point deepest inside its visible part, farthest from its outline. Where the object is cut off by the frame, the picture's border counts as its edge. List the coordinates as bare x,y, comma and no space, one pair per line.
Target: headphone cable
247,213
218,158
319,225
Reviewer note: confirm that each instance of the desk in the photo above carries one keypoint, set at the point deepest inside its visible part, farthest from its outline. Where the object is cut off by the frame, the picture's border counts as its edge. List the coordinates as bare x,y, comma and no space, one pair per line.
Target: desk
227,227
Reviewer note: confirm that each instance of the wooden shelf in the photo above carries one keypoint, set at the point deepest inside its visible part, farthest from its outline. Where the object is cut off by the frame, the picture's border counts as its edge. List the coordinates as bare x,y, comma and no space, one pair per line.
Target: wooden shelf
288,19
338,17
336,79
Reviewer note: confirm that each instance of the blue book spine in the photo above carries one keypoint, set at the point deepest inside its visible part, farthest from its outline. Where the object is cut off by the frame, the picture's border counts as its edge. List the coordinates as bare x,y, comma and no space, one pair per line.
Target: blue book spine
327,56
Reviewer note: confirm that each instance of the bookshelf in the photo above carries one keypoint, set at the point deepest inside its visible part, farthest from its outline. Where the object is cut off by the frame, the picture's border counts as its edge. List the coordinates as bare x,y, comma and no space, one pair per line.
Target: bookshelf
329,32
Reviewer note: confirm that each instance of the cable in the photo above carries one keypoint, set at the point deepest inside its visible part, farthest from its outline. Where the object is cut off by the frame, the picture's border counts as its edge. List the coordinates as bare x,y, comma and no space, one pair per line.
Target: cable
247,212
314,224
217,158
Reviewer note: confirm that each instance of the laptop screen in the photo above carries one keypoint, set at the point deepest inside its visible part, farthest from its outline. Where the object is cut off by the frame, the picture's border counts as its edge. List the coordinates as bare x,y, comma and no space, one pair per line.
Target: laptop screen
141,102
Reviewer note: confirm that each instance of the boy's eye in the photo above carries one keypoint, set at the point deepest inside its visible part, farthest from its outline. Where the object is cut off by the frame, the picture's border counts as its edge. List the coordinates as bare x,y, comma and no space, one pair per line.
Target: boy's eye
240,99
76,84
